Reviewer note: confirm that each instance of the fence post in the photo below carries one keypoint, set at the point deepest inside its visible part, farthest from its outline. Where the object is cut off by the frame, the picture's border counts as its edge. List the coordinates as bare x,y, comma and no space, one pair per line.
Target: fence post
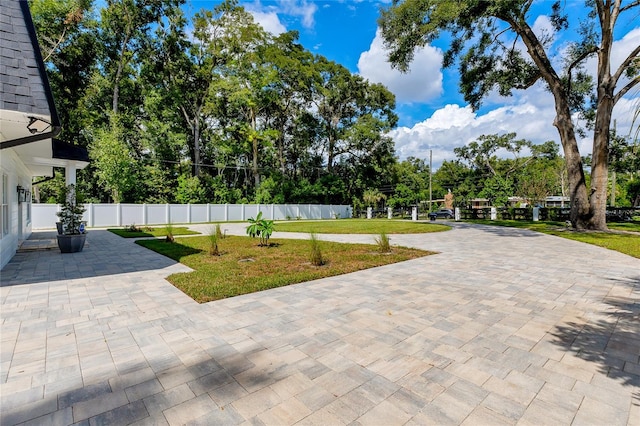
242,212
208,212
167,213
273,211
188,212
89,208
226,212
118,215
144,214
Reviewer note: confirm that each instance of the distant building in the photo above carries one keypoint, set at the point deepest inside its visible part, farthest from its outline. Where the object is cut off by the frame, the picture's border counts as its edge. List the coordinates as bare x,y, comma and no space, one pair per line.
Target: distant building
480,203
517,202
557,201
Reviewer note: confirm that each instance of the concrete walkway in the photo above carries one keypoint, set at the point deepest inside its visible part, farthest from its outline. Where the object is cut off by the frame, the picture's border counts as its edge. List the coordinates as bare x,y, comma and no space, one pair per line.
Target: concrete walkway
504,326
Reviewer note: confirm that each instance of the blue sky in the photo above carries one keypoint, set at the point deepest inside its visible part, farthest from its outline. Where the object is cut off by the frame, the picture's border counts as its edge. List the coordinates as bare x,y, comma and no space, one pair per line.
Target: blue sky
433,114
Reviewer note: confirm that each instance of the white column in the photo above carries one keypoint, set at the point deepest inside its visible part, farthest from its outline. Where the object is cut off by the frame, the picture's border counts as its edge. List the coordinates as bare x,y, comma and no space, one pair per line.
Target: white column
414,213
389,213
494,213
369,212
70,174
536,214
70,179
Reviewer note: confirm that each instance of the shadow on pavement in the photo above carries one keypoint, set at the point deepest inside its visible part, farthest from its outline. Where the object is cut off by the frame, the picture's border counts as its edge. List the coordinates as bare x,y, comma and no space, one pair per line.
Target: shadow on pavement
502,231
612,342
104,254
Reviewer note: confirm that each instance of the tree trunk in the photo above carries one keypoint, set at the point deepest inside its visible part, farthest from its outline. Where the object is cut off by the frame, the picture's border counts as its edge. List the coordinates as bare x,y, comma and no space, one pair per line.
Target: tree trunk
580,211
604,110
600,165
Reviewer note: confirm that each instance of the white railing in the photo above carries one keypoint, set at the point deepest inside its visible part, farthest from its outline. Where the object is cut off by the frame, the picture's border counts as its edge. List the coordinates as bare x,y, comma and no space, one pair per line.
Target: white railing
102,215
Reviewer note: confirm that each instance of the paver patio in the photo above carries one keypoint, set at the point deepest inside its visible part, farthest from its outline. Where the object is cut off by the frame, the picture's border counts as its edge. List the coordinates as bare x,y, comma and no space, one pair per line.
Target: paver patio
504,326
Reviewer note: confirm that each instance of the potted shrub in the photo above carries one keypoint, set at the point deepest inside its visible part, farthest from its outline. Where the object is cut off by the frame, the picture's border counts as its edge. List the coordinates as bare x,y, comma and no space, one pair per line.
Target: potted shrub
71,232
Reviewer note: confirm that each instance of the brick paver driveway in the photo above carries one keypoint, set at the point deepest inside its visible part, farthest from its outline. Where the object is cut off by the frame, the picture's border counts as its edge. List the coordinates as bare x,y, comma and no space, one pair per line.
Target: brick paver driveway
504,326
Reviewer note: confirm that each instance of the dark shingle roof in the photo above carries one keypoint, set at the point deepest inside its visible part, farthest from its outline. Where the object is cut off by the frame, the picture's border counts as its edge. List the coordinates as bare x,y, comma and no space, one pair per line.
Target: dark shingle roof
22,87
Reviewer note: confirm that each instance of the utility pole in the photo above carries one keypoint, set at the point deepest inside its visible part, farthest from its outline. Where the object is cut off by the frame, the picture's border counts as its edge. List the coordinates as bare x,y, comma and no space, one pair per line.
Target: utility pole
430,175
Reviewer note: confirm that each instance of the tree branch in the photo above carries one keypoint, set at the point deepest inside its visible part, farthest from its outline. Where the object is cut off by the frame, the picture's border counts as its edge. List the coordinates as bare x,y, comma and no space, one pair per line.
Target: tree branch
579,59
630,6
632,56
626,88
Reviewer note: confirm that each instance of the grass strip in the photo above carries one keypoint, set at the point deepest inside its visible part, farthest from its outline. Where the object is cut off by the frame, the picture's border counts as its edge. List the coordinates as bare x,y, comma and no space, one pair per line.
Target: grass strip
159,231
244,267
360,226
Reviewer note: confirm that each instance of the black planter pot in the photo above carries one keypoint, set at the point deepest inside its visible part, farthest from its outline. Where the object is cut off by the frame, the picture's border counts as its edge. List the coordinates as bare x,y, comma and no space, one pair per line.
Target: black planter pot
71,243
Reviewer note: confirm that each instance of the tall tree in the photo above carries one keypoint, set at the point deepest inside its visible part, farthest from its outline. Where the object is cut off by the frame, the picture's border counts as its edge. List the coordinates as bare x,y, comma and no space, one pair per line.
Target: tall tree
486,37
68,39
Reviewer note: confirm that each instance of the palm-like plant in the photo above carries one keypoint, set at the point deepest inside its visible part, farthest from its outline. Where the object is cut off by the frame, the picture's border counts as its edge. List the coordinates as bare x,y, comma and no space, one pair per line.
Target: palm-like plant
260,227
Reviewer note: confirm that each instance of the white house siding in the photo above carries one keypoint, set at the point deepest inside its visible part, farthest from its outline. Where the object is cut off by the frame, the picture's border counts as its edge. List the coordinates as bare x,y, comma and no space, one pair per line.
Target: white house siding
17,174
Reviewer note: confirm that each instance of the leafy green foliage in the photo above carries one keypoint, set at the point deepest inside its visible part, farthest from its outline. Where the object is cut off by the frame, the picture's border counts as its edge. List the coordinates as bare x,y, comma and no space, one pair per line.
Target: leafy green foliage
116,168
260,227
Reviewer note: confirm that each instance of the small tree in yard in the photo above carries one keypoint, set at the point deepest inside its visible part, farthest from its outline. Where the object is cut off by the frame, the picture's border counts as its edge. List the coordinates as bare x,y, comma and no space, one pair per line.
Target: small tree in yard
487,37
71,213
260,227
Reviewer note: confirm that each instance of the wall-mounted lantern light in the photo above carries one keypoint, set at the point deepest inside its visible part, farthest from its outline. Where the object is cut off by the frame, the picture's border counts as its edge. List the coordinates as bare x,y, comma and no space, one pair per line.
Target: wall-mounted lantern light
37,125
21,194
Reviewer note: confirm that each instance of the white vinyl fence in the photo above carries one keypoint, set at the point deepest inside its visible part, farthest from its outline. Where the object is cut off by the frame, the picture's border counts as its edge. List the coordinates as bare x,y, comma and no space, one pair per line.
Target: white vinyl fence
102,215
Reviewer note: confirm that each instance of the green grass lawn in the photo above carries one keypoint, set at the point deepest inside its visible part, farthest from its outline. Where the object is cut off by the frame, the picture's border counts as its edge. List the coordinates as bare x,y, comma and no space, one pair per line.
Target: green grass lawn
360,226
244,267
158,231
626,243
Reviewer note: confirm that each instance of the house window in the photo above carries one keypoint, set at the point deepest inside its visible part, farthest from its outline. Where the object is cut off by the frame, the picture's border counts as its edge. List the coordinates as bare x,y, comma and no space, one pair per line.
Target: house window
4,211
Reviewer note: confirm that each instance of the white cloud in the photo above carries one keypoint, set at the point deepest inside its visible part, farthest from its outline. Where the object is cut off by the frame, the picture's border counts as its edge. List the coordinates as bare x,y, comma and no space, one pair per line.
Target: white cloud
269,16
269,21
421,84
453,126
300,8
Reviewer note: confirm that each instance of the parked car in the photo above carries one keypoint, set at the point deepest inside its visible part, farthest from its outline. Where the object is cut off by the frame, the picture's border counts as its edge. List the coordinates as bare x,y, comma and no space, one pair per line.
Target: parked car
442,213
